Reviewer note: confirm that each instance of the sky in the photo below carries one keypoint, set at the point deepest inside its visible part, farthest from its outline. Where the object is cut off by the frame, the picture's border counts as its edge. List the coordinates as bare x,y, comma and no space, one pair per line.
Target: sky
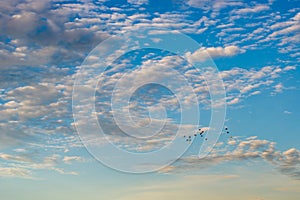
97,99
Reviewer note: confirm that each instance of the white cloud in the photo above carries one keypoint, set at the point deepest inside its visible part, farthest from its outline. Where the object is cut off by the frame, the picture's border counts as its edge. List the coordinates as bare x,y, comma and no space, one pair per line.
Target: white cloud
214,52
287,112
278,88
44,93
288,68
285,33
70,159
214,5
255,9
234,101
138,2
242,83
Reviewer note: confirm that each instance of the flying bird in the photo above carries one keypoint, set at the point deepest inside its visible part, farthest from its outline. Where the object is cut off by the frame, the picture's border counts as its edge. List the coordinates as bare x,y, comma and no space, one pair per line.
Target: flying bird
189,138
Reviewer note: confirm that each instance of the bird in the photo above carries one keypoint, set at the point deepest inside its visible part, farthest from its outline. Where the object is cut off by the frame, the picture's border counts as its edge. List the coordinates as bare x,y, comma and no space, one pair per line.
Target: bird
189,137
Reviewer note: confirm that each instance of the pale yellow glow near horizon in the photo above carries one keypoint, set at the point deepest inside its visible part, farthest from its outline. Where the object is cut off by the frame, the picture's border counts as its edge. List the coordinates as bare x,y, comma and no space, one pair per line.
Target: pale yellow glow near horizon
241,185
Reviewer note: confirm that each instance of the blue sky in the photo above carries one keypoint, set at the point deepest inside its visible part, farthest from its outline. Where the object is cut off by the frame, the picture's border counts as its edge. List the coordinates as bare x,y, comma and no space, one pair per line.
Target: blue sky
253,45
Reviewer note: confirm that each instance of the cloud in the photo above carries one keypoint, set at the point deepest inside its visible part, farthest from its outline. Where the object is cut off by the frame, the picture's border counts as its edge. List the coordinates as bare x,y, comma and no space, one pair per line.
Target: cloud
43,42
41,32
14,158
242,83
214,52
287,112
287,162
138,2
234,101
286,33
20,166
15,172
255,9
278,88
214,5
48,101
288,68
36,108
37,34
70,159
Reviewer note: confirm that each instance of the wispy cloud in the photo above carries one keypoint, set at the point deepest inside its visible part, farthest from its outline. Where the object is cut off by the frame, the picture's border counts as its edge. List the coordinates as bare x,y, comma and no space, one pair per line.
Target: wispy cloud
287,162
255,9
23,166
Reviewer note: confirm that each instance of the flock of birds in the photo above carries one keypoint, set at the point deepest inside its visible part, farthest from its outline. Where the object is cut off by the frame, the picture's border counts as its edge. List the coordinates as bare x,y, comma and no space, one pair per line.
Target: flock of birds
201,132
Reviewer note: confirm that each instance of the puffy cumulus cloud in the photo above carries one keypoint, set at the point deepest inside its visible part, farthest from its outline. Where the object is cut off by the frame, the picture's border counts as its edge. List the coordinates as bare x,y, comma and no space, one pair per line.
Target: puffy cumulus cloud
203,53
291,156
287,162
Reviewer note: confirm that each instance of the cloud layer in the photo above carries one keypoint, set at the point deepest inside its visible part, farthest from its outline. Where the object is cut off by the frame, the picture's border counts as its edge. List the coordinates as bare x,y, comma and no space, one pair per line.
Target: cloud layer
238,149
